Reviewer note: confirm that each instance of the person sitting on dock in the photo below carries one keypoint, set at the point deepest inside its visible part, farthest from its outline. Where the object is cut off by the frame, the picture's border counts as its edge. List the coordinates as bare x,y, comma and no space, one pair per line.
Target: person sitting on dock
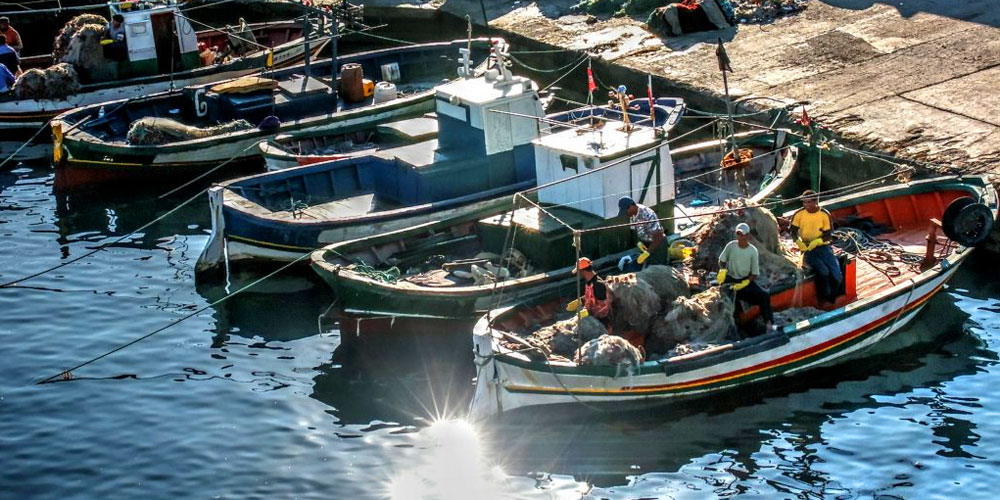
647,227
739,265
596,297
812,229
8,57
13,37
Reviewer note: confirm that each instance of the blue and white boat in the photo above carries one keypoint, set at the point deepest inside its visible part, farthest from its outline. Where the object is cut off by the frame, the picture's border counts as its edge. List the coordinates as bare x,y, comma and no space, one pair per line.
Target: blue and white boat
483,154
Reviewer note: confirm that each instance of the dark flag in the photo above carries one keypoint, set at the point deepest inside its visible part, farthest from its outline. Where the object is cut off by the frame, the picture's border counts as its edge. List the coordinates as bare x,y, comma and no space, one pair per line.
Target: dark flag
720,53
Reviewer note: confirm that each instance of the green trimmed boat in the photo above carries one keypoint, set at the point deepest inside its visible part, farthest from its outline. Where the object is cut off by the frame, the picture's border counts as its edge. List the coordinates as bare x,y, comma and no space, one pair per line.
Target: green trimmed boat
876,303
364,272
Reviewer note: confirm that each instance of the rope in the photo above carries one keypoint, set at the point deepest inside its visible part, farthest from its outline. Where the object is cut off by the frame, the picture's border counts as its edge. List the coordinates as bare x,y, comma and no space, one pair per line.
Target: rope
557,80
373,35
202,176
103,245
539,70
22,146
66,375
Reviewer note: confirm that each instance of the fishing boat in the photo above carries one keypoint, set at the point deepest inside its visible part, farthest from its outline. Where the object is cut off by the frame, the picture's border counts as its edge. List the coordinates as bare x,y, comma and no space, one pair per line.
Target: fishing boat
544,244
162,54
483,154
879,299
296,150
91,142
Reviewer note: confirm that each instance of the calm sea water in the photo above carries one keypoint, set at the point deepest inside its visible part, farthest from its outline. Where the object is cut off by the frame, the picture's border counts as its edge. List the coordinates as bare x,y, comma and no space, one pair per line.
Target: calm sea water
264,396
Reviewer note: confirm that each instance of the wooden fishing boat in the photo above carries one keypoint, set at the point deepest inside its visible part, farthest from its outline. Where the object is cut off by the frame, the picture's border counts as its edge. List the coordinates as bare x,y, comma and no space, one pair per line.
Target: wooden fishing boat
483,155
545,243
151,67
296,150
876,303
91,146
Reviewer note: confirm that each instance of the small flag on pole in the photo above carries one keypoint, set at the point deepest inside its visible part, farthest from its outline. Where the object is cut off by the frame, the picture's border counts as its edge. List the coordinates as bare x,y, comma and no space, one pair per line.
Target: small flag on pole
805,121
649,94
720,53
591,86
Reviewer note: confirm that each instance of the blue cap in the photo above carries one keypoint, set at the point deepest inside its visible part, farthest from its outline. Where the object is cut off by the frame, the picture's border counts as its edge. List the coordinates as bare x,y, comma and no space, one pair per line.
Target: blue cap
623,203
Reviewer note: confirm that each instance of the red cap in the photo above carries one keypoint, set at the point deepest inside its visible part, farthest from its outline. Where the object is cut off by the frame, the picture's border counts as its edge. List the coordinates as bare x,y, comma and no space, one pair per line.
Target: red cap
583,263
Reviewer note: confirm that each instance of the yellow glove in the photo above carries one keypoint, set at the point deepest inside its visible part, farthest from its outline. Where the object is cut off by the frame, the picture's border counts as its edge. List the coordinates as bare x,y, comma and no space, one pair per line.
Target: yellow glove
573,306
722,277
584,313
741,285
642,246
802,245
680,252
642,257
814,243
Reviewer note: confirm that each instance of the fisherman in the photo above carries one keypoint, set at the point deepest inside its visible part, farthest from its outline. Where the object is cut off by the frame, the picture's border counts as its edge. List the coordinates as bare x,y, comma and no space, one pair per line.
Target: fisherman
114,39
8,57
596,298
13,37
647,228
6,79
739,264
812,228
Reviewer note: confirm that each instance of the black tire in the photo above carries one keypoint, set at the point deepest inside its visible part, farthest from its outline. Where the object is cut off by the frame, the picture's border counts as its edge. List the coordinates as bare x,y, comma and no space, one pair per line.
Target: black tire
966,222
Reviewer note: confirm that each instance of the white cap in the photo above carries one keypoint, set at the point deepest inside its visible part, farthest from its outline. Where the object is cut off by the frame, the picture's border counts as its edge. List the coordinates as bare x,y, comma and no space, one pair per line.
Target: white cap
742,228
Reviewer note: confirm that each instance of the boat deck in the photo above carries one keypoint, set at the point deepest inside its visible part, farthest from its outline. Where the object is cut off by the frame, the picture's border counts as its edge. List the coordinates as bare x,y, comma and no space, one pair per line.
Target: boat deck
871,275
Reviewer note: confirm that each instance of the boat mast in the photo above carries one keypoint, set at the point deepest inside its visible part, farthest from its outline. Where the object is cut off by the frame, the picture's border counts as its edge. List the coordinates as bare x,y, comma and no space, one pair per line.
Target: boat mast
724,67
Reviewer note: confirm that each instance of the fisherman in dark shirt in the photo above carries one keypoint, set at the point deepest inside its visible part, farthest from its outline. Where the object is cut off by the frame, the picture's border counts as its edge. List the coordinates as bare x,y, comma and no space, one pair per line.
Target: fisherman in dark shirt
596,296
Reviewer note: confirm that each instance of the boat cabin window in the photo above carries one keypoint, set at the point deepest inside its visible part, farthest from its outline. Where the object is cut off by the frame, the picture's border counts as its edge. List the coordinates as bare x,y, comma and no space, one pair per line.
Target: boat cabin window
569,162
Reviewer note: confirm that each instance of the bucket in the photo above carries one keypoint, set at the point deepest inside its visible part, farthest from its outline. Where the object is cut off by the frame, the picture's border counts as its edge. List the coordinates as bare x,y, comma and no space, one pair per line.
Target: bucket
351,85
384,92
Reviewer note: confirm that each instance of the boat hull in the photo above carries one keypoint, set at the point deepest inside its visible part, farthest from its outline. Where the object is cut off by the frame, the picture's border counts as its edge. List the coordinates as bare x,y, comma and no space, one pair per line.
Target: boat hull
505,385
24,117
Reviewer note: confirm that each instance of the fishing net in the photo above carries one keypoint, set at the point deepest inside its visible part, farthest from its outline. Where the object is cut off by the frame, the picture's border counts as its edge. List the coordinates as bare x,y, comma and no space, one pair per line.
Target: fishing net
151,131
66,34
608,350
794,315
667,282
634,303
704,318
776,268
86,54
55,82
561,337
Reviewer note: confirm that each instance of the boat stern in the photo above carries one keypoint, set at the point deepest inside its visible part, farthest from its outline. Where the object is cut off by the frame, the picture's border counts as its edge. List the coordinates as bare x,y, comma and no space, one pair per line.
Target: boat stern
486,400
214,253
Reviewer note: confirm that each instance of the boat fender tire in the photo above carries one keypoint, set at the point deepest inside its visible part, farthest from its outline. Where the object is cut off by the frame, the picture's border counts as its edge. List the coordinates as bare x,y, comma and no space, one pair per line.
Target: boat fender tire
966,222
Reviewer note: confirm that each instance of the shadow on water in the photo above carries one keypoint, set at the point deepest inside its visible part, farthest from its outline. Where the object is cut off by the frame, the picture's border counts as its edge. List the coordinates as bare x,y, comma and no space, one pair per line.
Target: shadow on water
399,369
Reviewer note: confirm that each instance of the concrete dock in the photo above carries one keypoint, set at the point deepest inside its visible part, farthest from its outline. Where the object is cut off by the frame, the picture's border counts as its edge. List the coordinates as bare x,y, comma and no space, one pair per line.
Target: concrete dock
913,78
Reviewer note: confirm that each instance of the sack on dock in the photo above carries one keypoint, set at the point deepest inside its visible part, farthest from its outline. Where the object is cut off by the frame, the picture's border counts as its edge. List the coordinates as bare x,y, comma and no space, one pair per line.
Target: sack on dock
151,131
634,304
561,337
54,82
65,36
608,350
704,318
668,282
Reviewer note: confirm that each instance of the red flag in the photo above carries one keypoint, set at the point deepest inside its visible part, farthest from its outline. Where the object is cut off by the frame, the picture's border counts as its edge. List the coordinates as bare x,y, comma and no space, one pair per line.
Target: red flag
805,121
591,86
649,94
720,53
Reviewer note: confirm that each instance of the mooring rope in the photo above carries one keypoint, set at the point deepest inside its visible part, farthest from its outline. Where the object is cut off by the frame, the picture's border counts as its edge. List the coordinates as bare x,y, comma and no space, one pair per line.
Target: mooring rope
22,146
209,172
66,375
102,246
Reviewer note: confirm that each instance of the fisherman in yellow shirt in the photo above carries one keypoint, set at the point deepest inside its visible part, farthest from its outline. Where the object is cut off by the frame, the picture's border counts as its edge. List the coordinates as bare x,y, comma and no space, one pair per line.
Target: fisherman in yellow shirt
812,228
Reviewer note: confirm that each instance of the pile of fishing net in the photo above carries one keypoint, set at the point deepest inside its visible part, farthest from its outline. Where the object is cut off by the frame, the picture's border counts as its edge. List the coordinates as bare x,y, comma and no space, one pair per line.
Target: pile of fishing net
151,131
776,267
764,11
86,54
703,319
562,338
636,298
55,82
68,32
482,269
608,350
